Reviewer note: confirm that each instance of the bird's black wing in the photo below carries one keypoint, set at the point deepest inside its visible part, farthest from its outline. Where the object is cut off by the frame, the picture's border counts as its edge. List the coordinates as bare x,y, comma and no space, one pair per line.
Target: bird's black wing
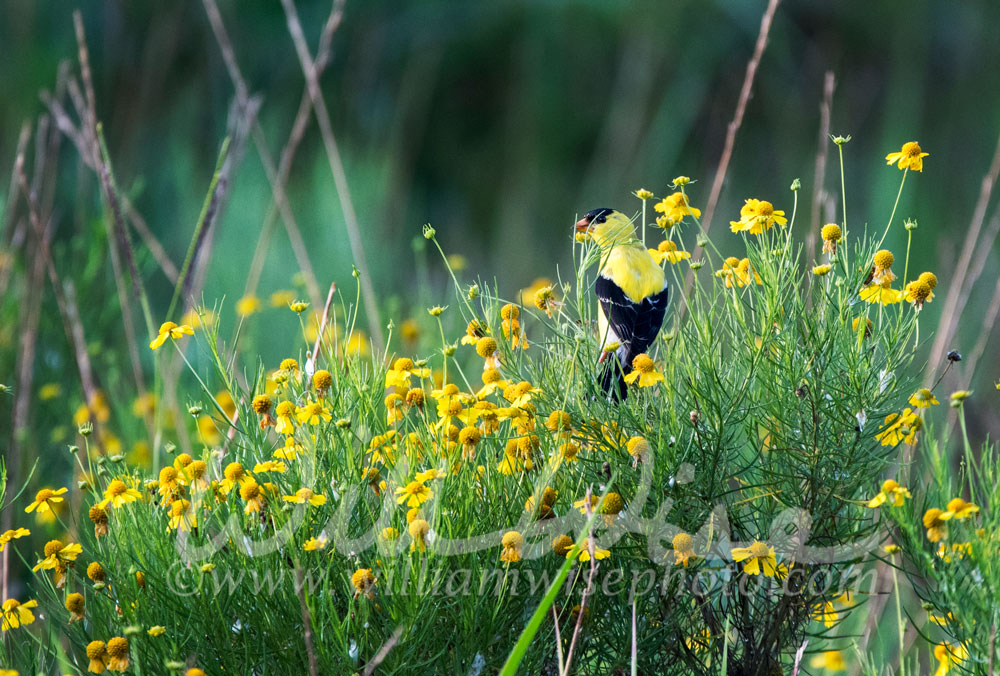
635,324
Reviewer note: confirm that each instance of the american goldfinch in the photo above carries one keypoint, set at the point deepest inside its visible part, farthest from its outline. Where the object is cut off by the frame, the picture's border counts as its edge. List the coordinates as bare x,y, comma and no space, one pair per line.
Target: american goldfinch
632,290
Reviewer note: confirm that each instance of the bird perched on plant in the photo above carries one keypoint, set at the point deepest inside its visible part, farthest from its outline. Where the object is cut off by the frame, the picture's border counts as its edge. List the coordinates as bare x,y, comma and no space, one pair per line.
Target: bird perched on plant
632,290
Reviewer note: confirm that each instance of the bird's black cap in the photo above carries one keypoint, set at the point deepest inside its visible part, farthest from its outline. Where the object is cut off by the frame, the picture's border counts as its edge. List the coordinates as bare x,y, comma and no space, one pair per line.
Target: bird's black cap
597,215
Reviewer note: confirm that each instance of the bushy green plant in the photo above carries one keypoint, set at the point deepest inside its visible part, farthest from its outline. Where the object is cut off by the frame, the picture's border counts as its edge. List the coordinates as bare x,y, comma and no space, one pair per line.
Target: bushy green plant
407,509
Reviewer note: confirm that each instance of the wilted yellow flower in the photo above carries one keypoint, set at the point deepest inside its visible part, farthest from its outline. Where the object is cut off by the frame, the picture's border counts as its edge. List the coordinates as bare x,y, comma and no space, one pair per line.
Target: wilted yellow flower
683,549
511,542
831,235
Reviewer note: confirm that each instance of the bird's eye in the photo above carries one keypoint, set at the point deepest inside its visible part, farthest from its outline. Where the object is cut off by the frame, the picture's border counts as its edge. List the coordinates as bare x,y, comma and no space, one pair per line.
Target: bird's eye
602,218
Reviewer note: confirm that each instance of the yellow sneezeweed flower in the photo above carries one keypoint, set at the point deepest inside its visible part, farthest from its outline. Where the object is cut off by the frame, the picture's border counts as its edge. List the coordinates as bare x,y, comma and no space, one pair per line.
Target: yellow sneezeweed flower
960,509
314,412
262,405
247,305
643,194
97,653
546,300
883,294
419,530
674,208
759,557
322,381
487,348
821,270
511,542
413,494
298,306
831,235
253,495
16,614
304,495
892,493
492,381
757,217
76,606
156,630
473,332
683,549
949,655
284,411
118,493
936,522
49,391
233,475
910,156
282,298
172,331
270,466
583,553
9,535
643,370
900,428
44,499
118,654
923,398
144,405
668,251
825,613
891,549
520,395
181,516
316,543
958,396
830,660
401,372
738,272
917,293
363,581
99,517
57,555
638,448
881,267
581,504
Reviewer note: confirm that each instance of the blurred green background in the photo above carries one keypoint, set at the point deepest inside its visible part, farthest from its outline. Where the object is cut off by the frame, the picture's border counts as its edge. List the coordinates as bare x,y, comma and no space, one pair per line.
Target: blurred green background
498,123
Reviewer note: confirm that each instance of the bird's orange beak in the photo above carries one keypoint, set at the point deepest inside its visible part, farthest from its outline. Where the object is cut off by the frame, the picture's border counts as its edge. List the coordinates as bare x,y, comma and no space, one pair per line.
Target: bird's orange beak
583,225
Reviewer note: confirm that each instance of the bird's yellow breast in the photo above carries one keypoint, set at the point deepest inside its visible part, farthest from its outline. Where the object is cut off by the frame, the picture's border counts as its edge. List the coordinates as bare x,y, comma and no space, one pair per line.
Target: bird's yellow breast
634,271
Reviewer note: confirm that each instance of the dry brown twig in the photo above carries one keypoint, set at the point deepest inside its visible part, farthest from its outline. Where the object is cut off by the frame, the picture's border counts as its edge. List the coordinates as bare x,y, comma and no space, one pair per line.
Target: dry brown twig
278,177
819,173
741,106
959,288
337,169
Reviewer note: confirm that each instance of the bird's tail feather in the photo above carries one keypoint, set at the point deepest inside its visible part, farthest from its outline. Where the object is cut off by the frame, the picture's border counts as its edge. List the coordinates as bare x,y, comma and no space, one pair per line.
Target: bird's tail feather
613,372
